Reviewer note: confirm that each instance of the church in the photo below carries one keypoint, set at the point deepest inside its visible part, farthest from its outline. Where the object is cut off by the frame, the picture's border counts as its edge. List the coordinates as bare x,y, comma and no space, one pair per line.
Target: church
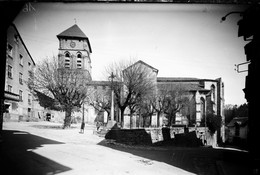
75,50
206,95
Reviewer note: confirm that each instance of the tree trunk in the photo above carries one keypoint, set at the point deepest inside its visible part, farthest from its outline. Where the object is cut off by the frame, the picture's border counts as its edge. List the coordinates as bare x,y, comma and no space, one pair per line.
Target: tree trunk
150,122
131,116
170,121
67,120
171,118
140,120
158,119
122,117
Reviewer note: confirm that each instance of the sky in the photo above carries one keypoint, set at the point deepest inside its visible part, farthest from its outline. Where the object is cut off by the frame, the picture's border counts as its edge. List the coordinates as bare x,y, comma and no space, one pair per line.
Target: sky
180,40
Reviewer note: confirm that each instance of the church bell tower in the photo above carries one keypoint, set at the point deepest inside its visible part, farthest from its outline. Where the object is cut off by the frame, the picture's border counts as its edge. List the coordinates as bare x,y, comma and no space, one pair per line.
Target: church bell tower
75,50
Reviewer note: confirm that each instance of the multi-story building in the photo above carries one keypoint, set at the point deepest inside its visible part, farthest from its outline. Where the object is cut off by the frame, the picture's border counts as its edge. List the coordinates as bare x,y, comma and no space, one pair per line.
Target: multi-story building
205,95
19,66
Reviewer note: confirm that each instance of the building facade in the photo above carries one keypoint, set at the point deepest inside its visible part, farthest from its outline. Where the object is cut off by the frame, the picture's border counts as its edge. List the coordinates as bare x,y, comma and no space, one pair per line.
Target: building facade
75,54
19,67
75,50
205,95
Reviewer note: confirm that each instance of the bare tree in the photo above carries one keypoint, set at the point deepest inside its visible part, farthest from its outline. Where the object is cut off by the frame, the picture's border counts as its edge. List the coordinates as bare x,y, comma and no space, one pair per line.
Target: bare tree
69,87
168,99
132,83
157,102
101,100
147,108
171,98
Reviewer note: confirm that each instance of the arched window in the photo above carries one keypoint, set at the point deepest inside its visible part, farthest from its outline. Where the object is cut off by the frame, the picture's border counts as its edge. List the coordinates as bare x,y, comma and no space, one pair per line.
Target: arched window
67,54
67,60
79,61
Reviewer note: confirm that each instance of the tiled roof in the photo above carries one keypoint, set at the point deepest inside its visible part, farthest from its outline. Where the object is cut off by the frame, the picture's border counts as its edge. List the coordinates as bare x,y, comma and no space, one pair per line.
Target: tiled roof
165,79
100,83
241,121
141,62
73,31
23,43
181,86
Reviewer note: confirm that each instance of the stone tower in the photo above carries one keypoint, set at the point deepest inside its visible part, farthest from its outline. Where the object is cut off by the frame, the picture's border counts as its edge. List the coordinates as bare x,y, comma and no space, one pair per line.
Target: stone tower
75,50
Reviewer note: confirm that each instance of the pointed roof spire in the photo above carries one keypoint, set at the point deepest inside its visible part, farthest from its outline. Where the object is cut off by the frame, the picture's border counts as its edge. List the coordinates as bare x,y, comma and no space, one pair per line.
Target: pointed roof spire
73,31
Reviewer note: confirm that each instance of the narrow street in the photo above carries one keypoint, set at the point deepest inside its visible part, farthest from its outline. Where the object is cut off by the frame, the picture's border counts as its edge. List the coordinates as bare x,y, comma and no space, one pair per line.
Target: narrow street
44,148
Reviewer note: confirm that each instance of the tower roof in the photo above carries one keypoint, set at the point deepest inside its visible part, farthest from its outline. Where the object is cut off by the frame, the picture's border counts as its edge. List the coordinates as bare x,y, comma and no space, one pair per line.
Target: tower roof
73,31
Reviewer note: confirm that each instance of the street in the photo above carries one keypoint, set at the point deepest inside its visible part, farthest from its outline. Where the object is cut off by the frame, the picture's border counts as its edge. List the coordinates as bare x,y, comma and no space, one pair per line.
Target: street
45,148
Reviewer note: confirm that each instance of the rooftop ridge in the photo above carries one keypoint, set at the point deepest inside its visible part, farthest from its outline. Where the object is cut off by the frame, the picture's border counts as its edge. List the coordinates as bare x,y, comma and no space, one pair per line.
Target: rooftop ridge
73,31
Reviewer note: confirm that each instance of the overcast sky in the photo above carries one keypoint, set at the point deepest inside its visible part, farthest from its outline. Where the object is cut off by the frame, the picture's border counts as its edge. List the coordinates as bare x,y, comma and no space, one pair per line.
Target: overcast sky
180,40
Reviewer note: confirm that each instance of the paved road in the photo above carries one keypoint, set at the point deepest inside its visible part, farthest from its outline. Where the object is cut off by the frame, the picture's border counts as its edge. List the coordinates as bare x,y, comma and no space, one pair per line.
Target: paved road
44,148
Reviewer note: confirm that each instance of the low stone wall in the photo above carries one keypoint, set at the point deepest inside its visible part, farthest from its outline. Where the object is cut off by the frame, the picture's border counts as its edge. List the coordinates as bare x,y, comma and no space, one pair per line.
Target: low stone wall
9,117
152,135
130,136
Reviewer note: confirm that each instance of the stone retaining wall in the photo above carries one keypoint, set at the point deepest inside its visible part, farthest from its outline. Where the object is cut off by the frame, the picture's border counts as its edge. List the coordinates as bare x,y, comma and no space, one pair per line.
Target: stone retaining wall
151,135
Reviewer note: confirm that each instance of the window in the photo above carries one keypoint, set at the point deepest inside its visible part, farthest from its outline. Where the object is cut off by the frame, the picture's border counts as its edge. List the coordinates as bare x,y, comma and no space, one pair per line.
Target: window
10,50
21,60
67,63
67,54
29,69
67,60
20,95
29,99
10,71
237,129
16,38
213,93
202,109
30,73
20,78
9,88
79,61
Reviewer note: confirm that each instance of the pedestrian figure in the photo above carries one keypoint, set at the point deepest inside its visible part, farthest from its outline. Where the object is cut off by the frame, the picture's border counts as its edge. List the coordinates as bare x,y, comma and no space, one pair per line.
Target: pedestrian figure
82,127
98,126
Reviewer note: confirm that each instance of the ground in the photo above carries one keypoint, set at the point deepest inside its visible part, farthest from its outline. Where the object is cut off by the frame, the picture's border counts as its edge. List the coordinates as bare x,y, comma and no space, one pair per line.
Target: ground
45,148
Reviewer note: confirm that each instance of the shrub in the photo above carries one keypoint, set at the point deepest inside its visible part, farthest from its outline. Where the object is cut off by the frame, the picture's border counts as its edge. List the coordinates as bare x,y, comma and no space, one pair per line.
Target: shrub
213,122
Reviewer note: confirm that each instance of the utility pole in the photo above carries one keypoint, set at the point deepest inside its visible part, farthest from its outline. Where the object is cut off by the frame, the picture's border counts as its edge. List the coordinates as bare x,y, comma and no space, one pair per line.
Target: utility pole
112,122
83,113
